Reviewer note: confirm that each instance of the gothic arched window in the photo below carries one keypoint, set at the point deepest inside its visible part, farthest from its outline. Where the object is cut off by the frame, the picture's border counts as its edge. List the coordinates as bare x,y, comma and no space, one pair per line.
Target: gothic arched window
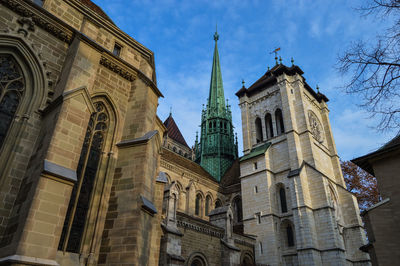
259,133
198,205
237,207
88,165
12,87
282,197
268,125
289,234
208,204
280,129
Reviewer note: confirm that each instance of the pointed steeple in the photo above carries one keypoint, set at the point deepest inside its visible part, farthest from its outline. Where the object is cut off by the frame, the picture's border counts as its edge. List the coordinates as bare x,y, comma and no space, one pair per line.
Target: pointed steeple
216,99
217,149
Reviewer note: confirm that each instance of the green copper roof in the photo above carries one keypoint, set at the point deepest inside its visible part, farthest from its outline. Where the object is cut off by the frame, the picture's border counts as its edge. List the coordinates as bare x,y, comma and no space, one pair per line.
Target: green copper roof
217,149
256,151
216,99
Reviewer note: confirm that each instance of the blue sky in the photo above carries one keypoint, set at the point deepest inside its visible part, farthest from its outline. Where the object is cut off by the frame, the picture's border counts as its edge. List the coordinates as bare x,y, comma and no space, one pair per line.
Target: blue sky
180,33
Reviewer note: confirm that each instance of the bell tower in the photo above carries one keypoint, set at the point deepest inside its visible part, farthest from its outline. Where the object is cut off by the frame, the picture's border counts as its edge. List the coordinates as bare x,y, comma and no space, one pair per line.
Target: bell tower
217,148
293,192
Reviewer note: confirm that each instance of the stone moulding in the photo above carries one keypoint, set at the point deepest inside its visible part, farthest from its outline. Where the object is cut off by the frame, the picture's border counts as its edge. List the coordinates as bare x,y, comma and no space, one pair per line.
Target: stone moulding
117,68
243,243
200,229
46,23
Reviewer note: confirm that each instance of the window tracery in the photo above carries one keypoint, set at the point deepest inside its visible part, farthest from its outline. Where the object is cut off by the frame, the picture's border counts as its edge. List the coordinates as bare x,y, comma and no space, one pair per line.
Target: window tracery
12,88
88,165
315,126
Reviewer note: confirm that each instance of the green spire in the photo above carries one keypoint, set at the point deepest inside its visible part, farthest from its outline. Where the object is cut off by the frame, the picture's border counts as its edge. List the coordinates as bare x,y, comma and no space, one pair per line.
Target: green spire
217,149
216,99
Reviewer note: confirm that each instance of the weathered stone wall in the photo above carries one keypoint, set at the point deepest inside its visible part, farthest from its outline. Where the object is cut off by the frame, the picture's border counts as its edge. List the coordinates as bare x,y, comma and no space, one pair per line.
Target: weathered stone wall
324,215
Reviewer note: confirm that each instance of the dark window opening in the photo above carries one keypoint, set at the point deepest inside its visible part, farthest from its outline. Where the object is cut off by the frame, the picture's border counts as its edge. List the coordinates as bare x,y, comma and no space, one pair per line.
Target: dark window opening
117,49
259,133
78,208
268,125
238,209
282,197
290,238
208,204
198,205
279,121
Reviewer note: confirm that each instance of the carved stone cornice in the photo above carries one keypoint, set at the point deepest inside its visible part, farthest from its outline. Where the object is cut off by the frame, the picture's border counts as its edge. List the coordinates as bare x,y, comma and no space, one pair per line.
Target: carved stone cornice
201,229
118,68
45,22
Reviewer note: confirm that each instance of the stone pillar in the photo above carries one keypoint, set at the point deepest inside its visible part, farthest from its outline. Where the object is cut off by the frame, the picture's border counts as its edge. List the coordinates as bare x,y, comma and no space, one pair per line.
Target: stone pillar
223,217
170,248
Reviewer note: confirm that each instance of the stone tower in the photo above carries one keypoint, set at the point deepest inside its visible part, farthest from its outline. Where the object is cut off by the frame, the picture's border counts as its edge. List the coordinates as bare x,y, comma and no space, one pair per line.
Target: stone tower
217,148
293,192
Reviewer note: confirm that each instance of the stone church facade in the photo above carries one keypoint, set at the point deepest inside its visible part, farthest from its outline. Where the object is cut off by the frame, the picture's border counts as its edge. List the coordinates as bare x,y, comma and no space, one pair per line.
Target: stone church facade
89,175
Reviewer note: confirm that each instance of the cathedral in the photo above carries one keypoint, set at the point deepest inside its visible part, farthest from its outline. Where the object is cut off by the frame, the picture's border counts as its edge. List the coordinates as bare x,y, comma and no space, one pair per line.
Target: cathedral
90,175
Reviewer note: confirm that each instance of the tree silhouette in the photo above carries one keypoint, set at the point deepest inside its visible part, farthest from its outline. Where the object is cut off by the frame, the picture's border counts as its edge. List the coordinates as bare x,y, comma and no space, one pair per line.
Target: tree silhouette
374,67
361,183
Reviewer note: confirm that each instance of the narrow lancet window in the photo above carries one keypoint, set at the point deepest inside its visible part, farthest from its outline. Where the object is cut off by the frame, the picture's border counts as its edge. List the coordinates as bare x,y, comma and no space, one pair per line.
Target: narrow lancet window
198,205
282,197
268,125
279,122
88,165
259,133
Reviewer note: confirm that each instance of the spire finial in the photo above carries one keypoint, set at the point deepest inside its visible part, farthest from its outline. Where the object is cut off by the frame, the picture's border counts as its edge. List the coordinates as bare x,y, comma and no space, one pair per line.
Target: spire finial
243,83
317,88
280,60
292,61
276,54
170,111
216,36
268,68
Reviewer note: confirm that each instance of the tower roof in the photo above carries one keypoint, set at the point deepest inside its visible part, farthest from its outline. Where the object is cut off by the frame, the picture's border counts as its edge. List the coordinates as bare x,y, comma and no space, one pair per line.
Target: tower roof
173,131
216,99
270,78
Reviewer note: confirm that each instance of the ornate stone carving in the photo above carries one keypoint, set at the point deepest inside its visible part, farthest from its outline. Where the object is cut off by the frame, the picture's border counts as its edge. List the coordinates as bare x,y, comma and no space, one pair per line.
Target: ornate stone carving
33,18
315,127
113,66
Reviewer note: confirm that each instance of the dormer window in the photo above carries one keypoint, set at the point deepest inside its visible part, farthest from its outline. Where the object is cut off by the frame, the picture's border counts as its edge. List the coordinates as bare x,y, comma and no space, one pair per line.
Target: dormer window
117,49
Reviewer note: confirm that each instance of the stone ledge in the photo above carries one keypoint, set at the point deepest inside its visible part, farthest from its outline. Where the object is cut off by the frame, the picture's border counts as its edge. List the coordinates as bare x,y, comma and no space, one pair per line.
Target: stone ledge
59,171
142,140
148,206
27,260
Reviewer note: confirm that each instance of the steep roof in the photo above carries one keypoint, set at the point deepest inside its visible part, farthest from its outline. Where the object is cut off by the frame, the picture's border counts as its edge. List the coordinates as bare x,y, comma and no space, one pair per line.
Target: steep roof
216,98
270,78
173,131
96,9
364,161
185,163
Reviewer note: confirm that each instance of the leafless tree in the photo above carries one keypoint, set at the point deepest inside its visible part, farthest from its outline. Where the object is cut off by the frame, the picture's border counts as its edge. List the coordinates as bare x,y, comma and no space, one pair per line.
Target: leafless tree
374,68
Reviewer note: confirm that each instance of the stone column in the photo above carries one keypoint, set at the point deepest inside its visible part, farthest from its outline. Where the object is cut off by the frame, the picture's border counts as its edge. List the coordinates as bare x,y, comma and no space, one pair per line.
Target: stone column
223,217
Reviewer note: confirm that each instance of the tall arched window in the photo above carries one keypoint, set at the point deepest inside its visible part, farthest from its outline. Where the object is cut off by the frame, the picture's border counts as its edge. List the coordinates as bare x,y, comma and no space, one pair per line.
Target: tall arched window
237,206
12,88
259,133
289,234
208,204
198,205
282,197
268,125
280,129
88,165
